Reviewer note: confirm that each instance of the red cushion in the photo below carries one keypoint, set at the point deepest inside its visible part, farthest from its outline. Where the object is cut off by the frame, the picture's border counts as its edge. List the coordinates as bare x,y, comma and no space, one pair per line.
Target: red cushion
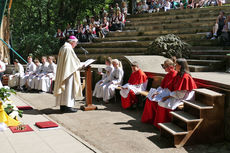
24,107
27,128
46,124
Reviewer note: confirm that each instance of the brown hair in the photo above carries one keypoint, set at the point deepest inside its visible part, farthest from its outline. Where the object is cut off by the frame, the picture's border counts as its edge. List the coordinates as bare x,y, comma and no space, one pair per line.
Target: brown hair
109,60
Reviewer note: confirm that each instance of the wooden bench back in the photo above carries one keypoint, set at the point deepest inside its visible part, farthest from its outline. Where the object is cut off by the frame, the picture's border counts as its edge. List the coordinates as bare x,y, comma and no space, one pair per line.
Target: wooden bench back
157,81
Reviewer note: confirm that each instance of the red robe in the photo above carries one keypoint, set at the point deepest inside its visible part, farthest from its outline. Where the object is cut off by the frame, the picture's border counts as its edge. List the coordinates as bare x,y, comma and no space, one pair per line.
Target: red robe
185,82
136,78
151,106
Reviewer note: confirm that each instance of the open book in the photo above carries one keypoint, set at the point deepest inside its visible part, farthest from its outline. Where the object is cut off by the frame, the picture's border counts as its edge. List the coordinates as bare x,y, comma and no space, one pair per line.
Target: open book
87,63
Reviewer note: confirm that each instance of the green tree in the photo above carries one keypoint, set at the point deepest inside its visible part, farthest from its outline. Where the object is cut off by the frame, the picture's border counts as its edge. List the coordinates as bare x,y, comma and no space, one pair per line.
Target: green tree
34,22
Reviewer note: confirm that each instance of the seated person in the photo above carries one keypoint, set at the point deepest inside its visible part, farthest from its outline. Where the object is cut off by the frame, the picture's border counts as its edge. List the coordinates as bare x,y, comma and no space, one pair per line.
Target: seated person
137,83
30,69
98,90
217,29
120,21
114,81
104,28
184,4
181,89
224,37
30,80
154,95
17,73
2,69
144,7
221,2
40,74
167,5
45,83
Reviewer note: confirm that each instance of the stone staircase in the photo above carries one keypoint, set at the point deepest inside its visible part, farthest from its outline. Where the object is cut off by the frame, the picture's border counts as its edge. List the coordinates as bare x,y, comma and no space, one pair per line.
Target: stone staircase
141,30
201,121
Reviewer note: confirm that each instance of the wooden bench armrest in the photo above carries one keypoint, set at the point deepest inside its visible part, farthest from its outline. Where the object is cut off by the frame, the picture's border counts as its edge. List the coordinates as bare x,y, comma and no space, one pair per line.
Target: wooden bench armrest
118,88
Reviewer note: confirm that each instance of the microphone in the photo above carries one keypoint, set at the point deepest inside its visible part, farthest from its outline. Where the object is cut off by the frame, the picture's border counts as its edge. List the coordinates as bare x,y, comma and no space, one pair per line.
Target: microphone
86,52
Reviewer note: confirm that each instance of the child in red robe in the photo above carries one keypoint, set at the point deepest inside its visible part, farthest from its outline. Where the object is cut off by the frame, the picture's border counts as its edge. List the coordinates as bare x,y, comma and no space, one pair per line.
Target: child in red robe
155,95
181,89
137,83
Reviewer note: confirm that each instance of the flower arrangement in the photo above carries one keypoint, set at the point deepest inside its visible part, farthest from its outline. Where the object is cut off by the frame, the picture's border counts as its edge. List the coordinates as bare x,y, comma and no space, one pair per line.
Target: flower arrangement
8,105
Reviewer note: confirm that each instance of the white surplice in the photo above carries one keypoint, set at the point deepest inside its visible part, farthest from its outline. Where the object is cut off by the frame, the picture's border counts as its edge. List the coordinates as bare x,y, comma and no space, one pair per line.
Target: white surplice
45,82
115,80
30,69
100,85
41,73
15,77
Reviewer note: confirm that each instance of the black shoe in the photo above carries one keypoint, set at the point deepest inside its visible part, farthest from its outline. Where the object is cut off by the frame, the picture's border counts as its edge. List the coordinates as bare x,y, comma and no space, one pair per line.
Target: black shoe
63,108
70,110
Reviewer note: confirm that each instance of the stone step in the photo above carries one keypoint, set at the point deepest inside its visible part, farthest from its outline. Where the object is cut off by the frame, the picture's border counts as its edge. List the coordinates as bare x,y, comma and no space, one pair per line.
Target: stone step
145,27
117,44
172,129
123,51
156,22
186,117
172,25
205,42
158,32
204,62
209,57
185,11
197,105
150,38
199,68
210,52
207,48
175,17
207,92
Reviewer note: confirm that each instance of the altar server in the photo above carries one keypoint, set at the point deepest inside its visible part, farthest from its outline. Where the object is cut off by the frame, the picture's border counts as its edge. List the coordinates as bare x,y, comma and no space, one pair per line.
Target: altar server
40,74
181,89
17,73
100,85
136,83
45,82
30,69
30,80
67,83
155,95
115,80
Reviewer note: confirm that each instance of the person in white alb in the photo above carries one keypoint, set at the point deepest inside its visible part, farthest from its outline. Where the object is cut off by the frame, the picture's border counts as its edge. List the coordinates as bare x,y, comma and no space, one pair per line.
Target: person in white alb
67,85
100,85
41,73
30,69
30,80
17,74
2,70
115,80
45,82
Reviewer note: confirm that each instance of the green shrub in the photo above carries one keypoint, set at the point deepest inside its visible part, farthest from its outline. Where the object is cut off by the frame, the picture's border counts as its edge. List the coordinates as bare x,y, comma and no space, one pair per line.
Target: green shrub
168,46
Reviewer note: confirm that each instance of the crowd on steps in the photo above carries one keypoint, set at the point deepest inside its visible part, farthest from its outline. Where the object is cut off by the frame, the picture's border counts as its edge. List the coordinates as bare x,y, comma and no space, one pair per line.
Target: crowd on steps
151,6
96,26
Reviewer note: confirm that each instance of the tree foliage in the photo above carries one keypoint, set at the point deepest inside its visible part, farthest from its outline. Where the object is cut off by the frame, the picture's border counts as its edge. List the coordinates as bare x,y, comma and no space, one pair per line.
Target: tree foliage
34,22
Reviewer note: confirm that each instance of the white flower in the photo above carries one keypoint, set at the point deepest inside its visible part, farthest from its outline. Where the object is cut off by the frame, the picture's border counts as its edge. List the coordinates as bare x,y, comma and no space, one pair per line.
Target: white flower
14,114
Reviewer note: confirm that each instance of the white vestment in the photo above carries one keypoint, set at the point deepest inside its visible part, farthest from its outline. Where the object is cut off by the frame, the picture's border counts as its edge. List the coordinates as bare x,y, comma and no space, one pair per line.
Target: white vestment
67,82
41,73
135,88
176,98
30,80
17,74
45,81
115,80
100,85
30,69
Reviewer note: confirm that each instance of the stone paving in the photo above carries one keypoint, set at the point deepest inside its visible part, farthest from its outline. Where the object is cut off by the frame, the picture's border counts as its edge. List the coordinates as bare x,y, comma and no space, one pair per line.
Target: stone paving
58,140
114,130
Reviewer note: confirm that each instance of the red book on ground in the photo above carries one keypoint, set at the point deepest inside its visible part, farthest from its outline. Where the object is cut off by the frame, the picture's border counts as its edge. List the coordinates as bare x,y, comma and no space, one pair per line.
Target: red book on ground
26,128
24,107
46,124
